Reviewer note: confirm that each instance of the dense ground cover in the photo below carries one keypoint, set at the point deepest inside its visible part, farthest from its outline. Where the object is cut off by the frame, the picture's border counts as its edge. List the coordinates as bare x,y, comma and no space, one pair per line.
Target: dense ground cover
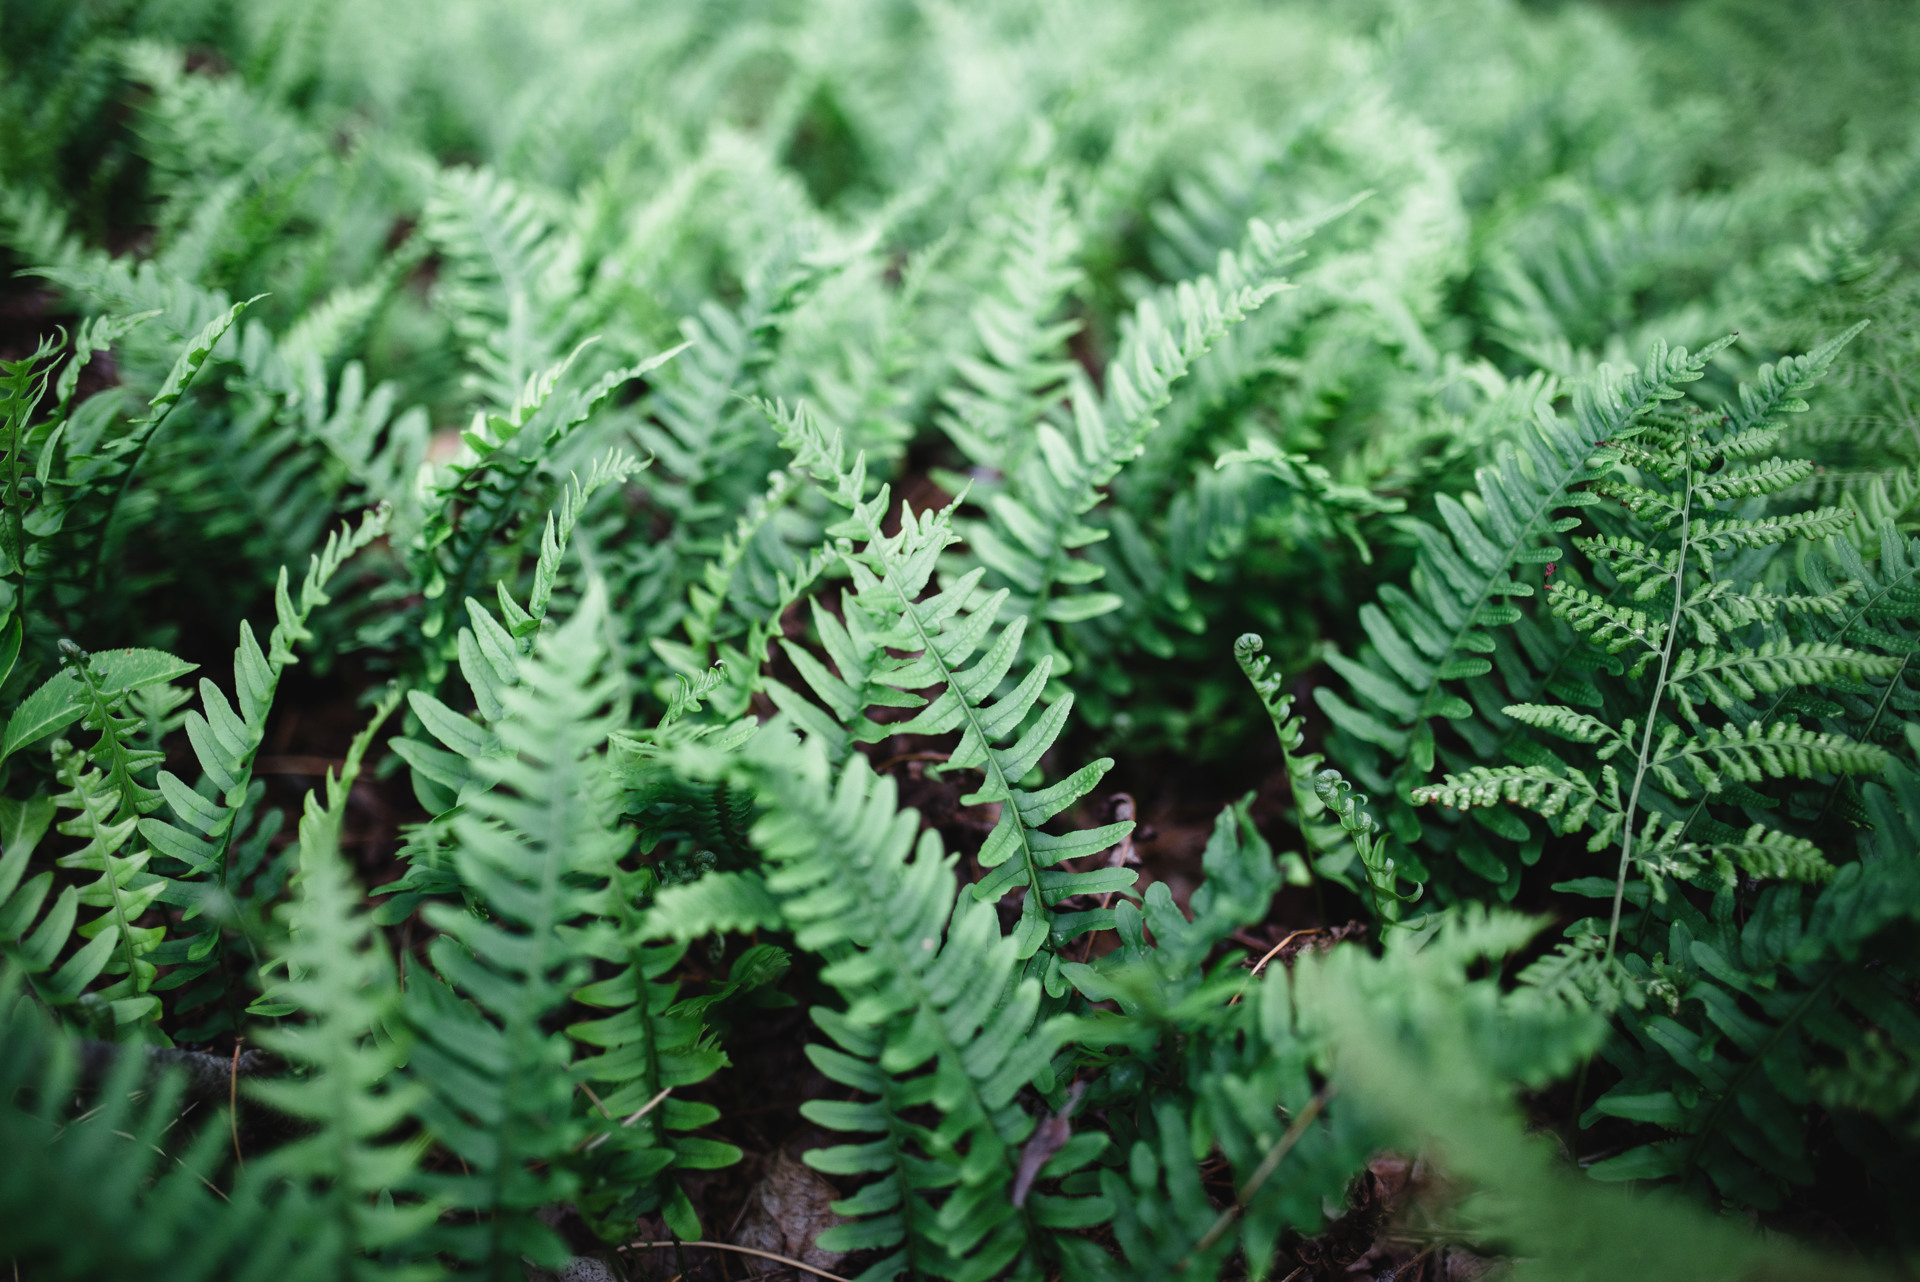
1070,640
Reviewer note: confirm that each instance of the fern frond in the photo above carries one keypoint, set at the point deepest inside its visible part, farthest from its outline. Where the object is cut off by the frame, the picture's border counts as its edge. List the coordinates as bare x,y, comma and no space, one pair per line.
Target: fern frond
1658,510
509,270
1770,477
740,576
32,940
1722,535
930,984
1759,752
341,980
1767,854
1612,627
502,1099
1020,375
96,690
1727,678
704,423
1578,972
1241,879
714,904
1568,724
1301,769
1369,843
1038,520
1775,389
1423,640
84,484
1630,561
118,947
204,846
942,633
1569,797
479,497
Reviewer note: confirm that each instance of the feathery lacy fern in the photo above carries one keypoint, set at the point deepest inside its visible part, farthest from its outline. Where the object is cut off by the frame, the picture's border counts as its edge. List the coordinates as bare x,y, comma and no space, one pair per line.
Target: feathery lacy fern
1793,987
1423,640
1681,449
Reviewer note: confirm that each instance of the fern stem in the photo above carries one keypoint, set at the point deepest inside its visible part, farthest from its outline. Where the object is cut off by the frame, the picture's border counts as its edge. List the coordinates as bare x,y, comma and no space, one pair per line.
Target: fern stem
1653,707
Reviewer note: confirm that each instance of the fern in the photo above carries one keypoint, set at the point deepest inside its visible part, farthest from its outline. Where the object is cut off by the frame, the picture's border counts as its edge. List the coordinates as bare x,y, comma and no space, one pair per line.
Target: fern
83,478
100,1191
1038,522
1438,634
1300,767
207,847
1680,450
517,845
538,849
943,632
1766,1005
100,784
1028,257
743,576
479,497
930,983
1018,378
508,269
341,979
489,650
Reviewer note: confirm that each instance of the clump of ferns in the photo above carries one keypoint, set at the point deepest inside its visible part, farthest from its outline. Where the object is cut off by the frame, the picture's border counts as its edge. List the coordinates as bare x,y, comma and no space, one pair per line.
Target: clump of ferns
1679,592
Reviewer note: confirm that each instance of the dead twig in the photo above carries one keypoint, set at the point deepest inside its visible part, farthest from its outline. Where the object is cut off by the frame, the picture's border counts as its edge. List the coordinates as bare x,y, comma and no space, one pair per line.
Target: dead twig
646,1108
217,1192
1403,1272
1271,954
596,1141
743,1250
1276,949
